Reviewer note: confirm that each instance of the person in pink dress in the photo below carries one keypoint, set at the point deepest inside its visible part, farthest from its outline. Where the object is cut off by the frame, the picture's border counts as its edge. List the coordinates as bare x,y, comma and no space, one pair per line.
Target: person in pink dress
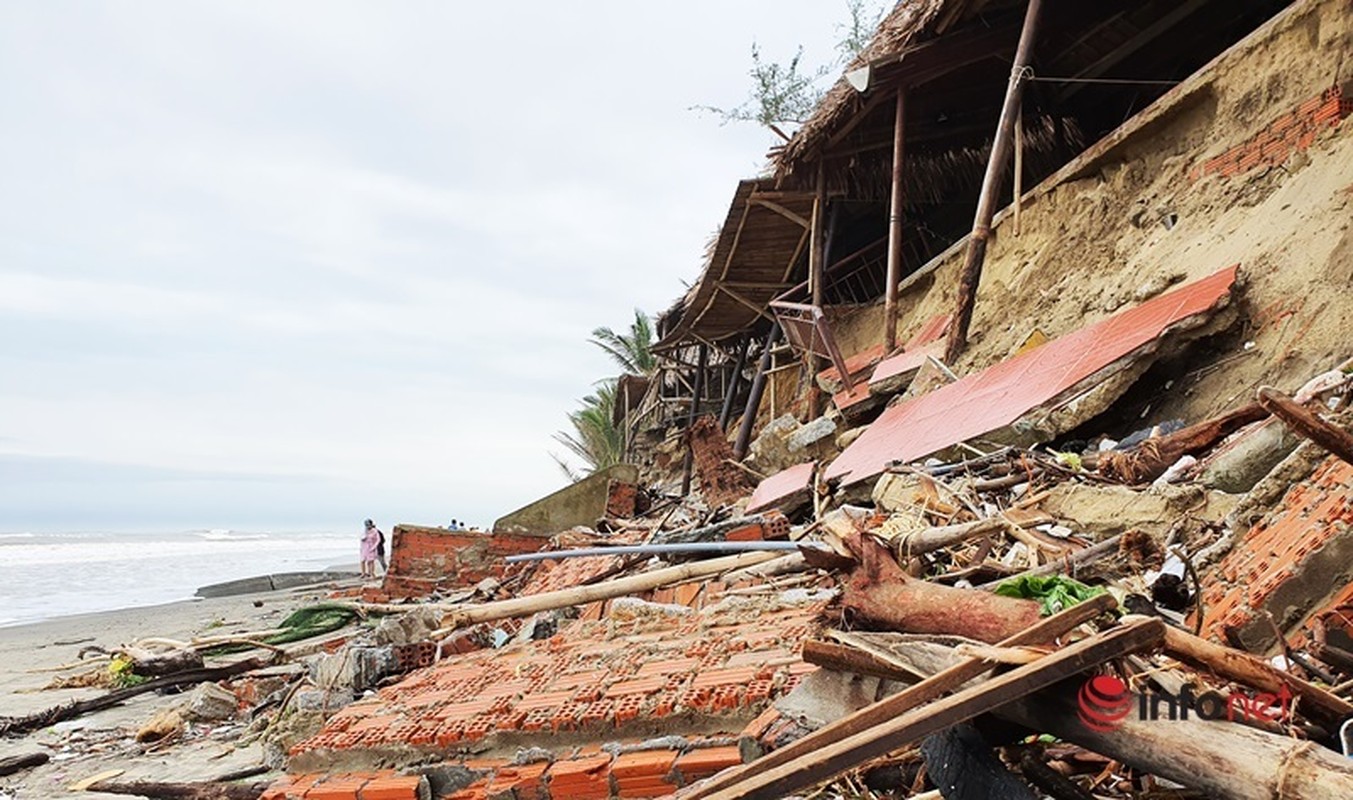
371,538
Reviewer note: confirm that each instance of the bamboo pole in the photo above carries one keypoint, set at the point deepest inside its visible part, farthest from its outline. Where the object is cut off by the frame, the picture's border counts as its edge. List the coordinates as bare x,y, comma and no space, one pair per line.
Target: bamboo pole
702,362
895,202
754,396
991,189
458,616
726,413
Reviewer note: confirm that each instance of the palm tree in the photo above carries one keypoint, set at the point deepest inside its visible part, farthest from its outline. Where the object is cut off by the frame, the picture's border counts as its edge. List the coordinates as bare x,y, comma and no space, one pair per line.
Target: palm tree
595,438
632,351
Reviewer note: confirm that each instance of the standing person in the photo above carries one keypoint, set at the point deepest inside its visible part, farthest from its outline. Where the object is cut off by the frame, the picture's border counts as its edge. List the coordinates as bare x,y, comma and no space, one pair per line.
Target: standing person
370,544
380,550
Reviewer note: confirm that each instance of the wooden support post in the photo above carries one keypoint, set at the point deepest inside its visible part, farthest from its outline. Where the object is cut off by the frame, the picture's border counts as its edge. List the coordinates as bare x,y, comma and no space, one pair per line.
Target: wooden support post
1306,424
930,689
754,396
817,236
697,389
897,732
895,202
991,190
726,413
1018,190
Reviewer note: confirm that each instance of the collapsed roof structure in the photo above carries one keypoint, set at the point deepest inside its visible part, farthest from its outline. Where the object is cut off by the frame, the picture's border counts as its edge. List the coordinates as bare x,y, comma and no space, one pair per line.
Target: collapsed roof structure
984,368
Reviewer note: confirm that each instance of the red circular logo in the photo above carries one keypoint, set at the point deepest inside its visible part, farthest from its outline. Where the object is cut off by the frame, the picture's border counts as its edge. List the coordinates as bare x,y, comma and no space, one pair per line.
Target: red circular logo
1104,702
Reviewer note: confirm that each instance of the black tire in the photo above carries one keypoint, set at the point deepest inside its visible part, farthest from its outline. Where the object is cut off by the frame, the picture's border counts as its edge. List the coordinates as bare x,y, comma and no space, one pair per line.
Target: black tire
962,766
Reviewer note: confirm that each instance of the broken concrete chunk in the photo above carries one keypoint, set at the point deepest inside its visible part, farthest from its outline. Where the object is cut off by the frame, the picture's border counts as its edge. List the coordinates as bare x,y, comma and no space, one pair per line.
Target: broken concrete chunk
811,433
208,702
825,696
898,491
1105,510
356,669
1240,463
165,723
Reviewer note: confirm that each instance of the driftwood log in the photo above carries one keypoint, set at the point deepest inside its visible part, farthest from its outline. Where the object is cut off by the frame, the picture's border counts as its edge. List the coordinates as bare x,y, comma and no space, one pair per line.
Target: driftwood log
880,592
13,764
155,665
15,726
183,791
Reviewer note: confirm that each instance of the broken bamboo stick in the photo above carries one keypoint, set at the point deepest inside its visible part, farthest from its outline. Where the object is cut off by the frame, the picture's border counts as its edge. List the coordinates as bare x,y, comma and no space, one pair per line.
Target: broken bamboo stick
1244,668
936,686
183,791
824,763
463,615
1306,423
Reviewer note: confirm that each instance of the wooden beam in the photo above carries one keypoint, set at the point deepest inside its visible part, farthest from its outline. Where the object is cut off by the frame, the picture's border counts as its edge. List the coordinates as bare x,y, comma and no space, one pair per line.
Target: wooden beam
753,307
1305,423
930,689
991,189
1142,38
899,731
754,396
781,210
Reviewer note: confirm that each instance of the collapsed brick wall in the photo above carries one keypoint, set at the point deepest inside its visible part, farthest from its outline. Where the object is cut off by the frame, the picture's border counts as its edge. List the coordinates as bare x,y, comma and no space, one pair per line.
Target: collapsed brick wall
594,680
424,560
1288,565
711,454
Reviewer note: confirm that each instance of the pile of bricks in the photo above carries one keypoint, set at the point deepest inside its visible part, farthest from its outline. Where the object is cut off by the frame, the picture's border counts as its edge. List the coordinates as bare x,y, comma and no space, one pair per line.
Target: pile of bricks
383,785
721,481
1287,565
1294,131
699,671
600,775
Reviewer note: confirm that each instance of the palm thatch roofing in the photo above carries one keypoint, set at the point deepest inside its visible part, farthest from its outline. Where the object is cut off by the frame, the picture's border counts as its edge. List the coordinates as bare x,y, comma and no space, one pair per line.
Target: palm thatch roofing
911,21
753,258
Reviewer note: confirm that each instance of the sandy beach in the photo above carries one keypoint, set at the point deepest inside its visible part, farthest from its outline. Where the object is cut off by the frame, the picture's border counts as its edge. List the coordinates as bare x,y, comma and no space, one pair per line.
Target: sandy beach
105,740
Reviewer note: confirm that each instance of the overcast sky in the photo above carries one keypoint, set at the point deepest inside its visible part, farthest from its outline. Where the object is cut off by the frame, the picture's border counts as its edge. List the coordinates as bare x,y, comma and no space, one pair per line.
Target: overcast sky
293,264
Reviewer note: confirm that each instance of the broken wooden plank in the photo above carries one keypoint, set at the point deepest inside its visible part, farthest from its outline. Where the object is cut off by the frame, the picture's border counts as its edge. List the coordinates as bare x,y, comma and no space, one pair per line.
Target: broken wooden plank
1244,668
183,791
850,752
936,686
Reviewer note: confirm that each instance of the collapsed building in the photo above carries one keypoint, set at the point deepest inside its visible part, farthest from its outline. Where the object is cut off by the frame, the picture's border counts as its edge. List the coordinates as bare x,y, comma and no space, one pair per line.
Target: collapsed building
1024,376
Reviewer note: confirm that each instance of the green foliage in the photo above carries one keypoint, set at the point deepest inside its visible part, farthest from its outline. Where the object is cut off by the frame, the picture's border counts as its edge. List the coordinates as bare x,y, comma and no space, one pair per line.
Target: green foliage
1055,592
120,669
595,439
784,94
633,351
855,33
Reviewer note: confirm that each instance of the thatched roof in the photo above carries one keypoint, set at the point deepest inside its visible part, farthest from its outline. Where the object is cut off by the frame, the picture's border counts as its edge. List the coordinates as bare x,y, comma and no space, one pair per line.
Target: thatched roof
910,22
751,261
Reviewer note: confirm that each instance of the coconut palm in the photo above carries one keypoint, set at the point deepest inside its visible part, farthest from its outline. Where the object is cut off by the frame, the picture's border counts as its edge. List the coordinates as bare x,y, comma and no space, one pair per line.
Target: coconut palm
595,439
633,351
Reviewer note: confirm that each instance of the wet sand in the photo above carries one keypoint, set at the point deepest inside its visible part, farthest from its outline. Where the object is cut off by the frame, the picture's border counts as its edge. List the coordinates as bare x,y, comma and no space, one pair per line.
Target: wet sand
105,739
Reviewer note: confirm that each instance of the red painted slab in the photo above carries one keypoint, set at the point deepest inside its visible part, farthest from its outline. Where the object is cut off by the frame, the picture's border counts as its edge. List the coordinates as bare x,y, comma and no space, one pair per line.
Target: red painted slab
780,486
925,341
997,396
857,363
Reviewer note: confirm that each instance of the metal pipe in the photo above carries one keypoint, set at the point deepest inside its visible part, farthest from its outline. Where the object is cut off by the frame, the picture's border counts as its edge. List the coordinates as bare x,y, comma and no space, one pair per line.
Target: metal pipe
656,549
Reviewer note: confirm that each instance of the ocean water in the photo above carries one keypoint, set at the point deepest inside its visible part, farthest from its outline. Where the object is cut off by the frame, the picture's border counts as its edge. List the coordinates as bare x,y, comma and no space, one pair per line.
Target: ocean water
45,575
